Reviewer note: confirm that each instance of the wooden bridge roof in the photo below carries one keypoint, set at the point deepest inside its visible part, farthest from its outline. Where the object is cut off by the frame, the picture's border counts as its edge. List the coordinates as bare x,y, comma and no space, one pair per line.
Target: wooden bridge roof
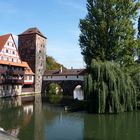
65,72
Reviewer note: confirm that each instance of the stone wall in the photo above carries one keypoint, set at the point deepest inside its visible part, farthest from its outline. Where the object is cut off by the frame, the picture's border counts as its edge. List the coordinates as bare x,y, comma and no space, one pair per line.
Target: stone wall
32,50
27,49
40,60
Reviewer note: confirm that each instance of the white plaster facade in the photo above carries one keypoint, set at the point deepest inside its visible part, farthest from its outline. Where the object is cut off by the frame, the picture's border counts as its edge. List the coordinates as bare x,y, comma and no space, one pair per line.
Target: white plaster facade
63,78
28,79
9,51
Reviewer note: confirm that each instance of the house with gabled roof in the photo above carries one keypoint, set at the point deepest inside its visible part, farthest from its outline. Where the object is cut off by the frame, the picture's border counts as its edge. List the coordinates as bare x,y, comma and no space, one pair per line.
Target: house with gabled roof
12,68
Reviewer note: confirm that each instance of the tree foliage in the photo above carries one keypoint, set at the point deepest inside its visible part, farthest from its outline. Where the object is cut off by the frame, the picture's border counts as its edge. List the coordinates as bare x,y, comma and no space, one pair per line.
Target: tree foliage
108,43
138,36
109,89
107,32
54,92
51,63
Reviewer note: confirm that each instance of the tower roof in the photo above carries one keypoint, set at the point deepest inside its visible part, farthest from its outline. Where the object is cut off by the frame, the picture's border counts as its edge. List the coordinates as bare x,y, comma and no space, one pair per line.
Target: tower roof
32,31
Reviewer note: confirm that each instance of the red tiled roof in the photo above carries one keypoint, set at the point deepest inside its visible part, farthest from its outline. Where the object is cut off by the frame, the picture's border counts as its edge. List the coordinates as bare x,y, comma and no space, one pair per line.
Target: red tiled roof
32,31
65,72
3,40
23,64
28,70
3,62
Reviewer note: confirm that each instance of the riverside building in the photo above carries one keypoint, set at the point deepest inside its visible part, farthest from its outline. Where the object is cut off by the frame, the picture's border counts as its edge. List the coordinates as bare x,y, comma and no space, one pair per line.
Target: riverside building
16,77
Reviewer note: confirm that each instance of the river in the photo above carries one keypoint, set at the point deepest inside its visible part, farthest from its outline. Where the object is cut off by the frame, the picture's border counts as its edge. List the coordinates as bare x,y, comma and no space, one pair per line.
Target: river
34,120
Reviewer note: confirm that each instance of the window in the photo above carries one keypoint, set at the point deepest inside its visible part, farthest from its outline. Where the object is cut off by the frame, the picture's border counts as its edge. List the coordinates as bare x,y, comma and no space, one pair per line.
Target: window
13,52
6,51
25,77
30,77
12,60
8,43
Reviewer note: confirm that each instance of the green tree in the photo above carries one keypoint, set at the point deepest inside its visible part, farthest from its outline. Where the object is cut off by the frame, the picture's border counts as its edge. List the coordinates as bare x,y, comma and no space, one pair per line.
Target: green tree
107,32
108,45
54,93
109,89
138,50
51,63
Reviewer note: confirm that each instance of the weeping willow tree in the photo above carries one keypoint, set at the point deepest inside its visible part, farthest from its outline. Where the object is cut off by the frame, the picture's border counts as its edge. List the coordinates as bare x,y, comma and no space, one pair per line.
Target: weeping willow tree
109,89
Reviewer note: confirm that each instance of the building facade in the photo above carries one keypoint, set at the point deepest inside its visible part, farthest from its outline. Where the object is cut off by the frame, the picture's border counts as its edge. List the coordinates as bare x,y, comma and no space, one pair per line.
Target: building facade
12,68
31,46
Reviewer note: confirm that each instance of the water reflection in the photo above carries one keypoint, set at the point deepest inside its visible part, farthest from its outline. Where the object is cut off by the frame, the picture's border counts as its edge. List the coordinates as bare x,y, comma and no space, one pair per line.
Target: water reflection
15,115
34,120
124,126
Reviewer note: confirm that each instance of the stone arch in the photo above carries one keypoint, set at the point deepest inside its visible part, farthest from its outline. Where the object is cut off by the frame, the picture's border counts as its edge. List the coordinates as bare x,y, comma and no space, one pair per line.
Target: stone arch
78,92
67,86
45,85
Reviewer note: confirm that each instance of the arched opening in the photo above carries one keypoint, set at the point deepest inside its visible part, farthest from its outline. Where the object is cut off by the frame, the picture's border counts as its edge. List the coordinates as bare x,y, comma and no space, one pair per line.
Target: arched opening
54,92
78,93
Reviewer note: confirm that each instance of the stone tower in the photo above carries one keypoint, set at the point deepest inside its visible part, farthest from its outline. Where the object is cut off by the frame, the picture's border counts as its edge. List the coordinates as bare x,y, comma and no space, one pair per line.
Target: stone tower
31,46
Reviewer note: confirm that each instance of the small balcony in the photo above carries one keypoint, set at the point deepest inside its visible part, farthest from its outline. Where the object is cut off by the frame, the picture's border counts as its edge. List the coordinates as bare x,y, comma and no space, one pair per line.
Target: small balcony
12,81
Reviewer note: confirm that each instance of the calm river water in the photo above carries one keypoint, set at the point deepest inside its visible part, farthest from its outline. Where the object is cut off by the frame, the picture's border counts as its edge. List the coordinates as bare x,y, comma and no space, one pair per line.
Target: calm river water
42,121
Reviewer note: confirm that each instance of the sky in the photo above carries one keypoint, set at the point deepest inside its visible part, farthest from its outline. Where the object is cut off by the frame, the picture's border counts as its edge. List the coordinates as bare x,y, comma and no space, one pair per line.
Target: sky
58,20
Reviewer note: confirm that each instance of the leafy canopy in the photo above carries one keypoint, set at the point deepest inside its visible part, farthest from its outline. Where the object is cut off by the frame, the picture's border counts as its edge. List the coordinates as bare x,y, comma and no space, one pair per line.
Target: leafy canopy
107,31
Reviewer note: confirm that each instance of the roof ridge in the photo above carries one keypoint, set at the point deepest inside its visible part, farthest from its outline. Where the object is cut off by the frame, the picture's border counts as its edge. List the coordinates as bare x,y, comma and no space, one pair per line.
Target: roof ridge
32,30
